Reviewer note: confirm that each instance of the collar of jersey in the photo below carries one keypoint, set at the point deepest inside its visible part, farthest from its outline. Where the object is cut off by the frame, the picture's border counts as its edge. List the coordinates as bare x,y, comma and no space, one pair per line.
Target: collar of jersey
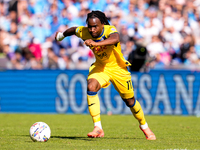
101,33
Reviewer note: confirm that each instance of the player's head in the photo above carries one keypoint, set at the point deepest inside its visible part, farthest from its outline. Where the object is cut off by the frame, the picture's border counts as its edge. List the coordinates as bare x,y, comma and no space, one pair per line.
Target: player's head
96,21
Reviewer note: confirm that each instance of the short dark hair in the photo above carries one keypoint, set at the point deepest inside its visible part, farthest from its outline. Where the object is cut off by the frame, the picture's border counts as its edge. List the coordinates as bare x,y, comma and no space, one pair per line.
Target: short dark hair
98,14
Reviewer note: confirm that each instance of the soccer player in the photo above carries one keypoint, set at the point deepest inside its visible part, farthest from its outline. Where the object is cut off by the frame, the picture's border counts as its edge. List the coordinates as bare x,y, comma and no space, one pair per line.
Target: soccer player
110,66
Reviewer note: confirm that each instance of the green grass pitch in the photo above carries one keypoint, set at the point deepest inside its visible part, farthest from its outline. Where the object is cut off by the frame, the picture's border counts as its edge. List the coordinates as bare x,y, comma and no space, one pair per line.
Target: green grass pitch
69,132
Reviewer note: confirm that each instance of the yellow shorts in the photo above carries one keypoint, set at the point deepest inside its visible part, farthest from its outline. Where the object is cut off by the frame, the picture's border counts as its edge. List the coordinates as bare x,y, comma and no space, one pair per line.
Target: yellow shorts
120,78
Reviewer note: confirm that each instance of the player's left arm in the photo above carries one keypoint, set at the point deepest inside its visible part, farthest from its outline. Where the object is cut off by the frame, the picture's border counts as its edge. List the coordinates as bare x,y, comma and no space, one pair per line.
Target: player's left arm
111,40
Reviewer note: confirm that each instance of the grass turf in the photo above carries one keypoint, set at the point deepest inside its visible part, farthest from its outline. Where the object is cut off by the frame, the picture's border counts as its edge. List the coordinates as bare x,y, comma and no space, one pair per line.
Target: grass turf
69,132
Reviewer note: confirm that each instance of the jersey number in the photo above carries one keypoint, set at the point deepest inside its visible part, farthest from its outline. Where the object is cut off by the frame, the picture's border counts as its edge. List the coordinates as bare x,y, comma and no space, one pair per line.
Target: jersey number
129,84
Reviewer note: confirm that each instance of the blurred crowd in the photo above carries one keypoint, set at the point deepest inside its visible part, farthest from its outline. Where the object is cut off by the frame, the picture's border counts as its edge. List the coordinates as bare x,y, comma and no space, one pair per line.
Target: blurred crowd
168,29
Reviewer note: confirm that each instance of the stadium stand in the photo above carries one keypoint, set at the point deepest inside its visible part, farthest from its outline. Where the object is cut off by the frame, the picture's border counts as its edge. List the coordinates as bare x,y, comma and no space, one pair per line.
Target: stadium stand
168,29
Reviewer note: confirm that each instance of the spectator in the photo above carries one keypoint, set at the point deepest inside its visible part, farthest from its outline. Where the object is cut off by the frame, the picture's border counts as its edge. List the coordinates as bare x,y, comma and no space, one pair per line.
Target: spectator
155,46
175,23
191,57
185,47
35,49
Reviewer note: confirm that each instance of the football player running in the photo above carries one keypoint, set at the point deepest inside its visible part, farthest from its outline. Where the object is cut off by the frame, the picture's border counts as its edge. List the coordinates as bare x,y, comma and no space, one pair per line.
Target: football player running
110,66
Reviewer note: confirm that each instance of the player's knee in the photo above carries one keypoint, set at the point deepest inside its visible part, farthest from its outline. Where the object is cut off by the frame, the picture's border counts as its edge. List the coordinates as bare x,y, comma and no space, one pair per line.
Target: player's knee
130,102
93,86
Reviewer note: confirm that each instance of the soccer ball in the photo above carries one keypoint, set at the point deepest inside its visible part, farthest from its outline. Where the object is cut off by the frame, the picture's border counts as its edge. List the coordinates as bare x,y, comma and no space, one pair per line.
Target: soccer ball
40,132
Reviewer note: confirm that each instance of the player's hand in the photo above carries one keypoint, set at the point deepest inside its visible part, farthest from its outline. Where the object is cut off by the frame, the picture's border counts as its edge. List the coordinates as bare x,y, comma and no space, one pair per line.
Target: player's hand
90,43
59,36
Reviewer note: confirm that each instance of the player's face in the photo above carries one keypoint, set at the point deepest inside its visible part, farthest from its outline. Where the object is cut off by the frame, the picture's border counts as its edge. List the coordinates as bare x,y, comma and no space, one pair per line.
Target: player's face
95,27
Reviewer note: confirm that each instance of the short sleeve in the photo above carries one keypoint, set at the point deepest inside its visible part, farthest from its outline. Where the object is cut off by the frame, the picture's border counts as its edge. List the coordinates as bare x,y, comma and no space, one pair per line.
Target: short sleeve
112,30
79,31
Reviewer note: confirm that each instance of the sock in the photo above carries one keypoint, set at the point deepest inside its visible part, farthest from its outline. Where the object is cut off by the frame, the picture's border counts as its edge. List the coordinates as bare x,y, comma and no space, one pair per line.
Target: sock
138,113
98,124
94,108
144,126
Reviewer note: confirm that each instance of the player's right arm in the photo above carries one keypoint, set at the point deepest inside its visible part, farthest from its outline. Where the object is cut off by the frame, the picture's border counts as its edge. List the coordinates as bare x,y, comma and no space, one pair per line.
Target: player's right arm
61,35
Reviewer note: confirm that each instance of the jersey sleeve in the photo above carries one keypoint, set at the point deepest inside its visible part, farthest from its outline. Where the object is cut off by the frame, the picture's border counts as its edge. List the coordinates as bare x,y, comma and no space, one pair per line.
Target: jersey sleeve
79,31
111,30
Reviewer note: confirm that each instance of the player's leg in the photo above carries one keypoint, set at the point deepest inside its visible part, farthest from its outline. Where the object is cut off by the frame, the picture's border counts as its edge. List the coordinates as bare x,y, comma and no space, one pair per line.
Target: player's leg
137,111
96,80
124,86
94,107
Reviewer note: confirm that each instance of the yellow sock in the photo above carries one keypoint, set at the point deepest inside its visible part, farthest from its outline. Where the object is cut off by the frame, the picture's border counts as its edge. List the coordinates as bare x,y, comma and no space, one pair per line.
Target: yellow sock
94,107
138,113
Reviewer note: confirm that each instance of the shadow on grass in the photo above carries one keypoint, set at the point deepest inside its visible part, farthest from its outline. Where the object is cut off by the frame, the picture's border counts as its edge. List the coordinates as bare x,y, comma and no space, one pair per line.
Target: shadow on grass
72,137
67,137
89,139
